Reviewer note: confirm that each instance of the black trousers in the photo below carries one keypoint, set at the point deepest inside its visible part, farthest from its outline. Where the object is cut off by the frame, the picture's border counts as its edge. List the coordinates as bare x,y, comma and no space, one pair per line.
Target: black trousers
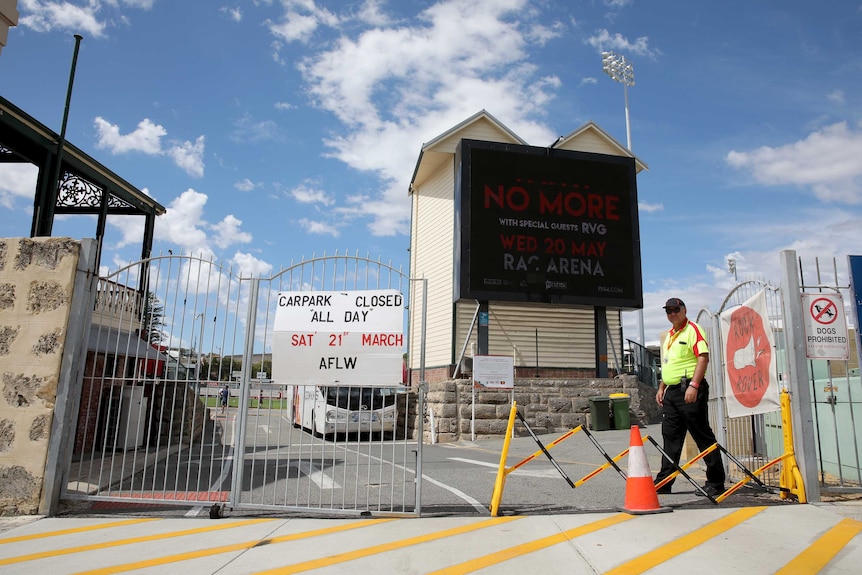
679,417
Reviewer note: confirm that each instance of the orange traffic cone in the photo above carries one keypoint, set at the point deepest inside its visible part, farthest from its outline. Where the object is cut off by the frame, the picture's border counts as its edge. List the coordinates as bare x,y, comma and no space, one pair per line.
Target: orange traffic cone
641,497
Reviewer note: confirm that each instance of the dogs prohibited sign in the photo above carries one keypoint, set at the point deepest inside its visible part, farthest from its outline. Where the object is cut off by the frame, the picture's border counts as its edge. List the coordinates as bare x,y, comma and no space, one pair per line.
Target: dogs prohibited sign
825,326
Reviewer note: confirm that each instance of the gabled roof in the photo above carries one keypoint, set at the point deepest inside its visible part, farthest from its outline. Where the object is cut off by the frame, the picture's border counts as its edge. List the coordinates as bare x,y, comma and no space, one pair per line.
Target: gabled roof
483,126
586,138
440,149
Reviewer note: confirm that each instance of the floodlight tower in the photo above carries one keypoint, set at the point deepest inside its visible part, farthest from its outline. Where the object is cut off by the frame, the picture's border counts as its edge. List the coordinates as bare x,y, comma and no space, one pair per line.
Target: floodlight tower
621,70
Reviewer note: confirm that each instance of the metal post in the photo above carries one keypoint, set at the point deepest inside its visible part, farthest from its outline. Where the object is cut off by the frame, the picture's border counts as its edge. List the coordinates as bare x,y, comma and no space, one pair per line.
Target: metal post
600,315
45,221
238,449
200,350
621,70
628,124
423,388
803,424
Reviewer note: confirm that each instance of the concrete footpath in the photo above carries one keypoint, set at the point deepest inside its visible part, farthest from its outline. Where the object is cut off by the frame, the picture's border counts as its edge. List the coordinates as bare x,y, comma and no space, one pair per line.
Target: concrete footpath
785,538
544,527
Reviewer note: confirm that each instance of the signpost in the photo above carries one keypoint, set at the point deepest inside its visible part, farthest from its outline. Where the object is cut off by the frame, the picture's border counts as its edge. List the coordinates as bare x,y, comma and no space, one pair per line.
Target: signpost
492,372
825,326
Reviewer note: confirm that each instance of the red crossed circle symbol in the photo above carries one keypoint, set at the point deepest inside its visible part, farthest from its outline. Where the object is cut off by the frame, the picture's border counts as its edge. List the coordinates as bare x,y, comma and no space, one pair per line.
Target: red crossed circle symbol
824,310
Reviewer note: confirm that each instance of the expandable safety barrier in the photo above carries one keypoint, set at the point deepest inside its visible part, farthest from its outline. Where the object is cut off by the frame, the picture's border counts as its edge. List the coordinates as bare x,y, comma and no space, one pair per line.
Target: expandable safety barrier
503,471
791,478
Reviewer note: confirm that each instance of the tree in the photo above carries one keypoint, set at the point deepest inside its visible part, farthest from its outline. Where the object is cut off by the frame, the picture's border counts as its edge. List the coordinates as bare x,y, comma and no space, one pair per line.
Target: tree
153,319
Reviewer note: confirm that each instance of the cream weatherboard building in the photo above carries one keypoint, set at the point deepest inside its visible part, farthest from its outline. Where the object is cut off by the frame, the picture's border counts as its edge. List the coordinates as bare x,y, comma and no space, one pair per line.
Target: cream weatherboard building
551,340
8,17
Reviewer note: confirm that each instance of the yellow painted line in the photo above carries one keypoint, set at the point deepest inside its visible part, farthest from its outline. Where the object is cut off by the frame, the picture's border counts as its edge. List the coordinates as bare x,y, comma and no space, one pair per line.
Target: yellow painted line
821,552
525,548
130,541
382,548
684,543
75,530
229,548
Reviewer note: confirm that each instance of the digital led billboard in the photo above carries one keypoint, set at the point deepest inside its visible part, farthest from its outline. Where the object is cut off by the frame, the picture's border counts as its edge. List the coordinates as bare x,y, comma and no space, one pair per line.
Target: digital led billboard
546,225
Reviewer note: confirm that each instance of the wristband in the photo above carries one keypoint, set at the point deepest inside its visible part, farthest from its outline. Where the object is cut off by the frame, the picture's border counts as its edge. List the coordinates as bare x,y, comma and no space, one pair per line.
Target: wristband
695,385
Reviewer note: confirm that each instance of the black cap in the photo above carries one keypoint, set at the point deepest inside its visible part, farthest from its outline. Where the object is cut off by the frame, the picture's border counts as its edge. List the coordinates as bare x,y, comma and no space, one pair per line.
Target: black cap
674,302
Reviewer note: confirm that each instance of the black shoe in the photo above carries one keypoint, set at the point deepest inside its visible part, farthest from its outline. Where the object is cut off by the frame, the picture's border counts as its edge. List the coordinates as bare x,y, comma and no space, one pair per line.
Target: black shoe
712,489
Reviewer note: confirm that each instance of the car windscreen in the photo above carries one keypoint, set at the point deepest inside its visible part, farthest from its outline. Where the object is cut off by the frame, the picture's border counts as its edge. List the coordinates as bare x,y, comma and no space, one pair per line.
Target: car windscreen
359,398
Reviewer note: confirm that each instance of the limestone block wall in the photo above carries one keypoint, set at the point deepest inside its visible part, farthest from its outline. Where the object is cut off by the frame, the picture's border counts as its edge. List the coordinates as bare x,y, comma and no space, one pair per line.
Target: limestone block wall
548,405
36,281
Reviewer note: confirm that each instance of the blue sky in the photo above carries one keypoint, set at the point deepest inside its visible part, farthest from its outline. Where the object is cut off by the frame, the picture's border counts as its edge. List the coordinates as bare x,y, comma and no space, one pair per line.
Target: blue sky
272,130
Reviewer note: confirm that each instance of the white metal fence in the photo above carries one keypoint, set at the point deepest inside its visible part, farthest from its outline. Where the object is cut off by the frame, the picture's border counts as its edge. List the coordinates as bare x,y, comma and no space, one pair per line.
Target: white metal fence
833,388
167,334
754,439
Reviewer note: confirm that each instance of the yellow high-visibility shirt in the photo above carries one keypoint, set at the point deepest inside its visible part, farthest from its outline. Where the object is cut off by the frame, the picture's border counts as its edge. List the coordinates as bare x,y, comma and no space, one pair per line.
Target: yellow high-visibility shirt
679,352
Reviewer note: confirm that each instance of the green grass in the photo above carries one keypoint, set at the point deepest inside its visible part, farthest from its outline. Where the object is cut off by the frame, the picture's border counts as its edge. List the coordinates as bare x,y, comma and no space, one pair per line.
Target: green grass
234,402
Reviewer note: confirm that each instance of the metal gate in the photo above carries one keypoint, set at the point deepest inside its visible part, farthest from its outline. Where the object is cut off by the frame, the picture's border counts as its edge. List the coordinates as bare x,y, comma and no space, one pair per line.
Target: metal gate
167,335
833,387
754,439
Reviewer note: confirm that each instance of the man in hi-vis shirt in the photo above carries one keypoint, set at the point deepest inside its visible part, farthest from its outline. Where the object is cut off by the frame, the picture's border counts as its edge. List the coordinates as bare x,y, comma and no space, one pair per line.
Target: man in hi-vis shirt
683,394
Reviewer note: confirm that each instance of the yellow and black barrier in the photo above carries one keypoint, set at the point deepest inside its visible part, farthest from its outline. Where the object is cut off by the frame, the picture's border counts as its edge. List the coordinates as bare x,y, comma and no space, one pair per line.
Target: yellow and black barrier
503,471
790,482
791,478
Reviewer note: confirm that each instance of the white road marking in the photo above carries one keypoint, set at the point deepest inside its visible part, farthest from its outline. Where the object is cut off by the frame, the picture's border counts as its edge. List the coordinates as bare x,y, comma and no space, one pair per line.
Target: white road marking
541,473
321,479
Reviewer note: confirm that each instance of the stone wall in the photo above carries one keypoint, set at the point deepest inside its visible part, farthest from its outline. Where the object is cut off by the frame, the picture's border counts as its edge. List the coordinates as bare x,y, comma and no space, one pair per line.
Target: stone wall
548,406
36,282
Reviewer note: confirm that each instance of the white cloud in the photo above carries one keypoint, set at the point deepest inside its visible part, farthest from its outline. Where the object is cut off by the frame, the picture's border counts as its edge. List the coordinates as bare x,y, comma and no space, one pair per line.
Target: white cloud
48,16
435,73
234,14
836,96
321,228
146,138
370,13
189,156
17,181
541,34
245,185
227,232
249,266
183,224
649,208
604,40
301,19
184,228
826,162
246,129
143,4
306,194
